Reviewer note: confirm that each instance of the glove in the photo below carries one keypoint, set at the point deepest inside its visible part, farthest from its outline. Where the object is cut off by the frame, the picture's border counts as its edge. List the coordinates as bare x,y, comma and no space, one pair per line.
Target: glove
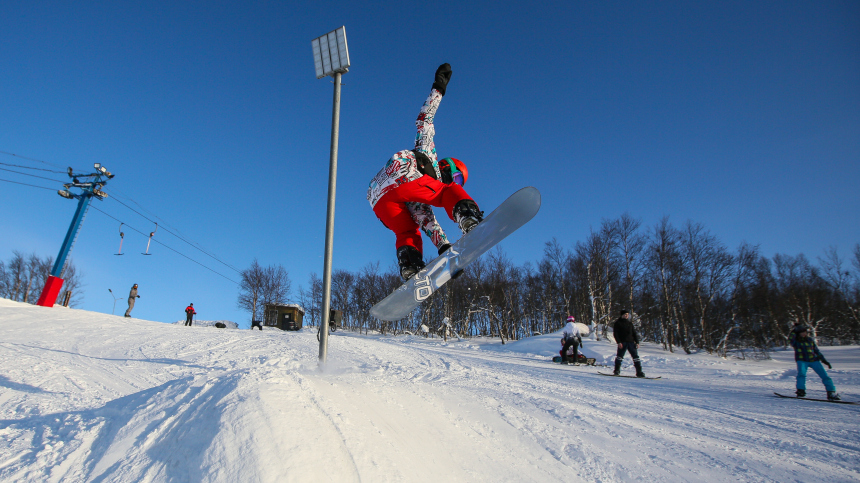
138,296
443,75
827,364
444,247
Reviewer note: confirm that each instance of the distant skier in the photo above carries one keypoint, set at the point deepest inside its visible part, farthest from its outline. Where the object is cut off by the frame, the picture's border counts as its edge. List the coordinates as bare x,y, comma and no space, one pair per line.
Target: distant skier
570,338
807,355
132,295
402,193
258,324
628,340
189,314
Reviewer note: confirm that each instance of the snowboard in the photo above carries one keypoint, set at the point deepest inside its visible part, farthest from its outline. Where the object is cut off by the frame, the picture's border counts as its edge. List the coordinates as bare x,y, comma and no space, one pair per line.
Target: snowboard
586,361
634,377
813,399
513,213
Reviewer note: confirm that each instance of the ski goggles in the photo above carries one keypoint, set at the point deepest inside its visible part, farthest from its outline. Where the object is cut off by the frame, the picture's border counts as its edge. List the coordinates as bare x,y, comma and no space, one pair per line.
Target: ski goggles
456,174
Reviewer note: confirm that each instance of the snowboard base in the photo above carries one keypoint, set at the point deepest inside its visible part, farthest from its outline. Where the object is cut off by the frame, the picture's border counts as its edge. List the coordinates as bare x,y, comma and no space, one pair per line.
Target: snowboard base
814,399
632,377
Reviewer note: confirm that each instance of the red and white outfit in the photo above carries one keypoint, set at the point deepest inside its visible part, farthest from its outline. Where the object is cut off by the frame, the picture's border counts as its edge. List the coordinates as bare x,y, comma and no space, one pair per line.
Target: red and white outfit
402,196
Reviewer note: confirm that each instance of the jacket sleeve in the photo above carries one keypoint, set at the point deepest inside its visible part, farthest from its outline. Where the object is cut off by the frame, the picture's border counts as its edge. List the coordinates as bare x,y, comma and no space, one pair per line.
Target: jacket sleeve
818,353
424,139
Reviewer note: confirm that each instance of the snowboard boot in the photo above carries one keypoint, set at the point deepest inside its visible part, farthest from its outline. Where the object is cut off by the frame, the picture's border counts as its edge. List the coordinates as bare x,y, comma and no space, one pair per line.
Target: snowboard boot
410,261
617,371
800,393
832,396
467,215
638,366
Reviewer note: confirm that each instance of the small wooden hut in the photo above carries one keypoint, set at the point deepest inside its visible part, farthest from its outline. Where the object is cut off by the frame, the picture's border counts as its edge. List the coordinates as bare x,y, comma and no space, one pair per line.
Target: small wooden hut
283,316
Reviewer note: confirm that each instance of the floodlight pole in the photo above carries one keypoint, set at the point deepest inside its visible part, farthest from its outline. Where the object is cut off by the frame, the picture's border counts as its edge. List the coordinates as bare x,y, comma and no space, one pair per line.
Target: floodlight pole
329,224
331,58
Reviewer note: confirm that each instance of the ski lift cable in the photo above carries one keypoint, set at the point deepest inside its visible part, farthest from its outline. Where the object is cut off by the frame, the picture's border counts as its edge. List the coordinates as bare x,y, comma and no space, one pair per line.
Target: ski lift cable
31,175
30,167
26,184
193,245
165,246
118,194
32,159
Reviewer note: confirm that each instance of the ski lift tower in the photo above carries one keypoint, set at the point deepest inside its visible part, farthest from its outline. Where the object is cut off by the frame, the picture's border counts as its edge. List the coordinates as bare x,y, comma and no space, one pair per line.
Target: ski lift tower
331,58
90,188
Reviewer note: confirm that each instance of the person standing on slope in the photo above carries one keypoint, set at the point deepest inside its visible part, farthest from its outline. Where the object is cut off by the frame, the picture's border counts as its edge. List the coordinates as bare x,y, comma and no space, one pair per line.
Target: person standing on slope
628,340
132,296
189,314
807,355
402,193
570,337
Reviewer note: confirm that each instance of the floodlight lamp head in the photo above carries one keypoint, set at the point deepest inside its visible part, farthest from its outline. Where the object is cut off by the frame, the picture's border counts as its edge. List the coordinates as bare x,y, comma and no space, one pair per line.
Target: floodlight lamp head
65,194
331,55
98,166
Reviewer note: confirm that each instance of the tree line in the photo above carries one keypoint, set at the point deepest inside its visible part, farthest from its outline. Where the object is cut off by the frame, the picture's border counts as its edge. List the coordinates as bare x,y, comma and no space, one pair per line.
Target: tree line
684,288
23,277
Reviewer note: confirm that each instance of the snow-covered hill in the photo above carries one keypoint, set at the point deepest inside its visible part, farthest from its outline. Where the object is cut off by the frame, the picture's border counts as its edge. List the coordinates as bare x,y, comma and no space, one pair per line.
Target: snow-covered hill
93,397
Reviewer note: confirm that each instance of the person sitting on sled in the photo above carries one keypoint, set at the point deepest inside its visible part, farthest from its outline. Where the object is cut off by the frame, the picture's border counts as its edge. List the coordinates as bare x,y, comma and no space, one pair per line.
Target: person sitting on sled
570,339
807,355
412,181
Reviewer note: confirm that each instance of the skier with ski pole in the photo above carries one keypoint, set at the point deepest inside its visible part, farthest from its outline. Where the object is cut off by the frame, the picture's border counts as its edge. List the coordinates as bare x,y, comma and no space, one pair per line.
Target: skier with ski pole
807,355
412,181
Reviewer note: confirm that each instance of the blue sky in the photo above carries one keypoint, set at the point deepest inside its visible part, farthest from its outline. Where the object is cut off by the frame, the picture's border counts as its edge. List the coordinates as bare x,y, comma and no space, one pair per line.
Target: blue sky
744,116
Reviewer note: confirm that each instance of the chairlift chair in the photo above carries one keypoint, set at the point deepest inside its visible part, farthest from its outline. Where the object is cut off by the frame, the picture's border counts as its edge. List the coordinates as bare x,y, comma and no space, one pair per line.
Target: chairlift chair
150,240
121,237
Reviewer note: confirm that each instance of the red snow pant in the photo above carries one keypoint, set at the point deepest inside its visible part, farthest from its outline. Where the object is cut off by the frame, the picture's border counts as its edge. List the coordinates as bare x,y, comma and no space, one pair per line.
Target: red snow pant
392,211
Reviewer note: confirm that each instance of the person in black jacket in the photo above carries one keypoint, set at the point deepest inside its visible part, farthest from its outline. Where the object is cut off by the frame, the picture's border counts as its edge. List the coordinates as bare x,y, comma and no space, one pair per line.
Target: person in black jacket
628,340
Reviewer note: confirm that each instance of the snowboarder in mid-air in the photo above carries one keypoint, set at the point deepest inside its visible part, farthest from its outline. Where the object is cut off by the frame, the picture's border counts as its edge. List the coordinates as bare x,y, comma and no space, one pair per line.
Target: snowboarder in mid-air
412,181
807,355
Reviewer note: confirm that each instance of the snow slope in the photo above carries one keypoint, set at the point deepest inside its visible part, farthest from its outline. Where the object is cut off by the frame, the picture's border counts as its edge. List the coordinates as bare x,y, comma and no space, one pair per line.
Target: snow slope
93,397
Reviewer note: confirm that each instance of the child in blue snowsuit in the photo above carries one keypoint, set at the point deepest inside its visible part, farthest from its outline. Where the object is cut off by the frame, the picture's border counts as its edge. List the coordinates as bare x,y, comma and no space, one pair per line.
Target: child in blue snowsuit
807,355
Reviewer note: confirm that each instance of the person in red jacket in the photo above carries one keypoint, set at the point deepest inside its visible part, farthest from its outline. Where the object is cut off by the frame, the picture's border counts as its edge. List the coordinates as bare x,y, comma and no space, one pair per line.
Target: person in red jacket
189,314
402,193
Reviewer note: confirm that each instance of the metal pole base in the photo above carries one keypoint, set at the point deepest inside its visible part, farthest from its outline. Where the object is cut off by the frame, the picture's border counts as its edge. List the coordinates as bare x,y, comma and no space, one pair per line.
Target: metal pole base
50,292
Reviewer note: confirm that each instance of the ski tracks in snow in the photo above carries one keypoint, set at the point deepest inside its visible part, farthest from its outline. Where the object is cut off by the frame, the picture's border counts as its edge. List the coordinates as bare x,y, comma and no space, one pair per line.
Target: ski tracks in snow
91,397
